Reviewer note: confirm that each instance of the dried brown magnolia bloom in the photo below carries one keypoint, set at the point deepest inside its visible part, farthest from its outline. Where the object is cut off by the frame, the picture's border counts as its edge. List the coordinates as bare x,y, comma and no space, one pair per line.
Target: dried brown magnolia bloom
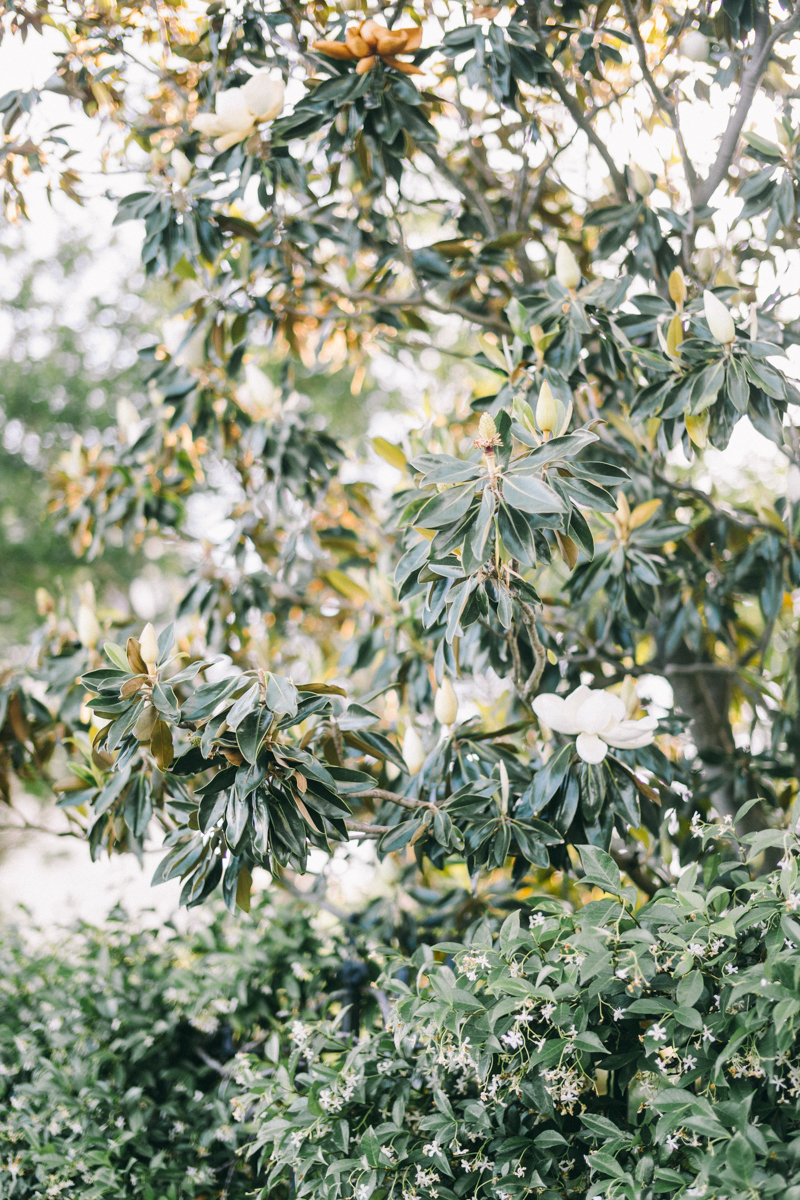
369,41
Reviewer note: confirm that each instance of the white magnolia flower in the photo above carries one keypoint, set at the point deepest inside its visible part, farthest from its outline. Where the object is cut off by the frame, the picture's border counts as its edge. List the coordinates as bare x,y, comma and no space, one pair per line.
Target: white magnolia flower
257,395
237,111
598,718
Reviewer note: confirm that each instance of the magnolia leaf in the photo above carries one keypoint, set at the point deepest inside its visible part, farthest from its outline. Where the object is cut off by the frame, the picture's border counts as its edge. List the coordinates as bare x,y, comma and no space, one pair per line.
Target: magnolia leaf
531,495
347,587
390,453
642,513
161,745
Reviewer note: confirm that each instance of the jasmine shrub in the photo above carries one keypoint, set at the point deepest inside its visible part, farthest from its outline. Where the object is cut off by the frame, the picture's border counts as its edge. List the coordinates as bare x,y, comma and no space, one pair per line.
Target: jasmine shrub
603,1052
118,1052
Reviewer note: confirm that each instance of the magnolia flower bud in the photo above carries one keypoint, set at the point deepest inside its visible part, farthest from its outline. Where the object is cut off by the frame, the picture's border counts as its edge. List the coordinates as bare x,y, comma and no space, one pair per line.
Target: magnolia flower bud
546,409
720,321
695,46
148,646
677,287
642,180
568,273
674,335
782,136
705,263
181,166
504,787
413,750
445,706
88,627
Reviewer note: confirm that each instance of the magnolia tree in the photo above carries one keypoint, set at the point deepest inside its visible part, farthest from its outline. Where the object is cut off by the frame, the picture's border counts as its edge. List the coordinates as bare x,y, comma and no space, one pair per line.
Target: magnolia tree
321,186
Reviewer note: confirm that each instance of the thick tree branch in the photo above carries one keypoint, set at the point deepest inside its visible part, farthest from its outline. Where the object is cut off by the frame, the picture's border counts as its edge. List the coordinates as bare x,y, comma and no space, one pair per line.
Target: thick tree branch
751,78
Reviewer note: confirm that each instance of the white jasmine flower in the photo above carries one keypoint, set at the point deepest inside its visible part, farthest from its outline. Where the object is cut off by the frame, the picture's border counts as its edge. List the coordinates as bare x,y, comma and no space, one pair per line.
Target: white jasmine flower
619,1013
237,111
658,1033
513,1039
598,718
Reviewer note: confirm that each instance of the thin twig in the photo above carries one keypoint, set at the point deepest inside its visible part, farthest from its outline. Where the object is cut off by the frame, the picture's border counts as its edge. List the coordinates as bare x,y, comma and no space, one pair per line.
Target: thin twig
393,797
662,101
468,192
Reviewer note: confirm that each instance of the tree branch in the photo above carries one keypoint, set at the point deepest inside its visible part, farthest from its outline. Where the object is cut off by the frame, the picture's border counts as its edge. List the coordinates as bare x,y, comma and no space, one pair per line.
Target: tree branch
365,829
468,192
393,797
751,77
539,656
574,109
668,106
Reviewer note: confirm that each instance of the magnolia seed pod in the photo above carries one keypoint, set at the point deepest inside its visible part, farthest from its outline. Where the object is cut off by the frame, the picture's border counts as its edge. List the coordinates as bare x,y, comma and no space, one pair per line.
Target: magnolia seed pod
148,646
413,751
695,46
720,321
677,288
445,706
674,335
568,273
88,627
487,430
546,409
642,180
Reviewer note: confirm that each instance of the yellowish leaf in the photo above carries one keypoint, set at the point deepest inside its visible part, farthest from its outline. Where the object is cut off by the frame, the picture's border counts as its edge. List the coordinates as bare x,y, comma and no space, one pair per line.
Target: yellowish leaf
697,428
493,353
390,453
243,887
161,745
569,551
643,512
347,586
